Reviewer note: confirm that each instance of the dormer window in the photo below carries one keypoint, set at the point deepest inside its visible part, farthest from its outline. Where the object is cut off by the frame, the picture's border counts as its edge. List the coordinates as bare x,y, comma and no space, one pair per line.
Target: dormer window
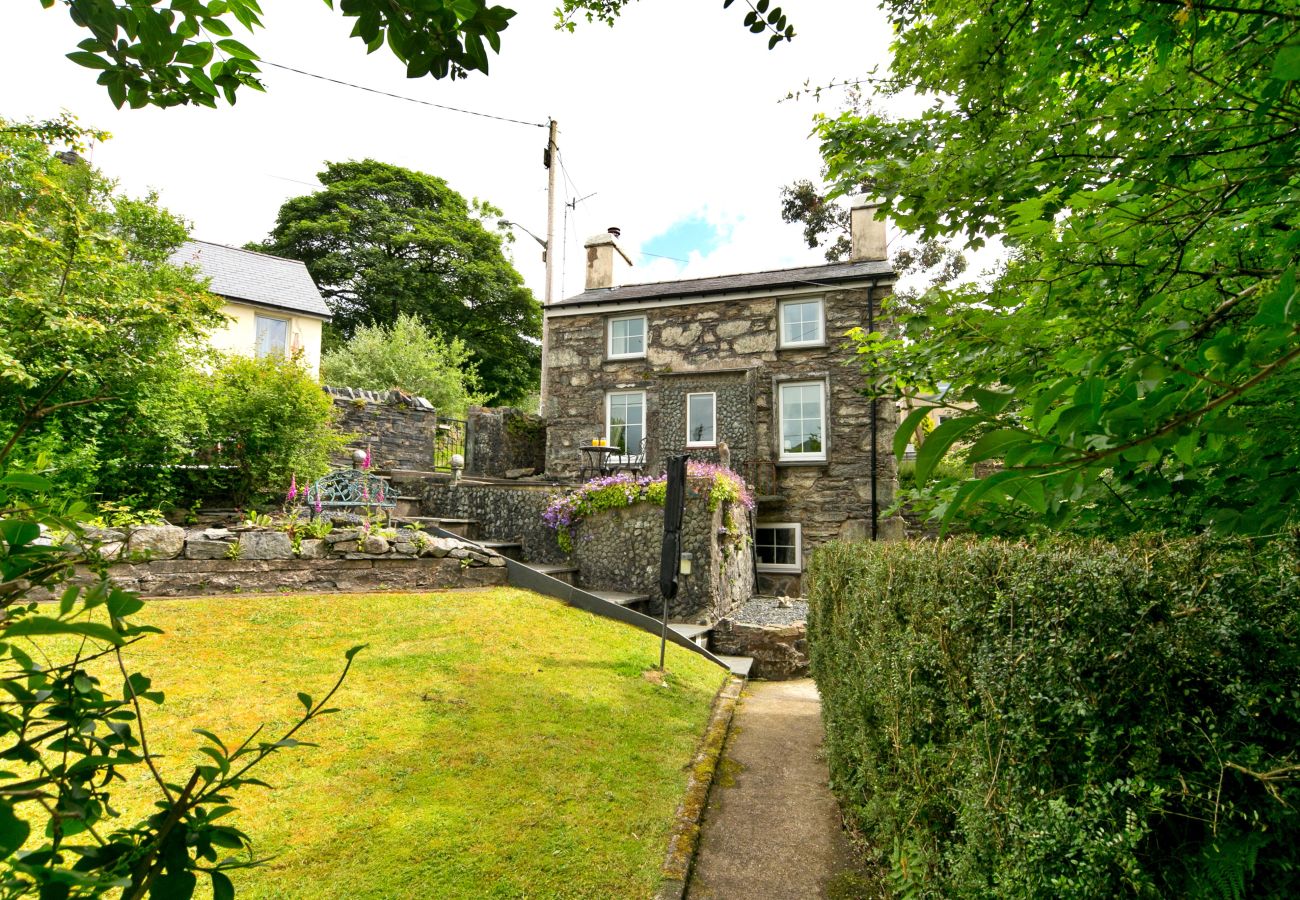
803,323
627,337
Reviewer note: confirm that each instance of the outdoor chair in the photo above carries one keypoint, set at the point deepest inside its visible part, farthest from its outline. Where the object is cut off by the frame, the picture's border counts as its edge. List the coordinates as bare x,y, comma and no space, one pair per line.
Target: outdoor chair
633,462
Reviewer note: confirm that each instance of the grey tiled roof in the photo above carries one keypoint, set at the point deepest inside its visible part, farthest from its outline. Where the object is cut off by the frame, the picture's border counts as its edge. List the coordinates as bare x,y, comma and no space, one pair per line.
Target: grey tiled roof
806,276
257,278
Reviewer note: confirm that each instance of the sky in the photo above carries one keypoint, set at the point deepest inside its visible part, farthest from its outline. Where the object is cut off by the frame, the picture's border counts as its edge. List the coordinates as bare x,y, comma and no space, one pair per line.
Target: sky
672,126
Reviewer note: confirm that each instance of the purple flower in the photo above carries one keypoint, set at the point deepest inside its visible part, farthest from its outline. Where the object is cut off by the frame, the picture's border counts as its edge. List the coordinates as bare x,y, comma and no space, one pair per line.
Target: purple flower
366,463
293,488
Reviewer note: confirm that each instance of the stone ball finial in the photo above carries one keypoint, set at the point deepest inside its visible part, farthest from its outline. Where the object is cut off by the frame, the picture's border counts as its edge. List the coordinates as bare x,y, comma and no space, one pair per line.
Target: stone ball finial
358,458
457,461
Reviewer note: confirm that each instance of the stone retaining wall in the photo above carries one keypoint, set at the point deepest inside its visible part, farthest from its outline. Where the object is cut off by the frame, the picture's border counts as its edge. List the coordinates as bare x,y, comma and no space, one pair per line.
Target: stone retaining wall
780,652
505,512
164,560
619,550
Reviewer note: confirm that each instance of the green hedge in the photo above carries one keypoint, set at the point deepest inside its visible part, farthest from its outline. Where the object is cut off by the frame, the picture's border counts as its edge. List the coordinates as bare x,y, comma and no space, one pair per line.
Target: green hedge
1069,719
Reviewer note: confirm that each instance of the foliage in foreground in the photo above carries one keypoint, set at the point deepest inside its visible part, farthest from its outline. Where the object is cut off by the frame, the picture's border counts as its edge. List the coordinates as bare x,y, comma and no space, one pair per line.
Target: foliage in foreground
1134,365
383,241
408,356
182,51
68,733
1071,719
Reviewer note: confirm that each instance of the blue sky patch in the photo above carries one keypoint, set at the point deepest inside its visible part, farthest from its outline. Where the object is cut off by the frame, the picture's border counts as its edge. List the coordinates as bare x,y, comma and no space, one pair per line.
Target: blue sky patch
684,236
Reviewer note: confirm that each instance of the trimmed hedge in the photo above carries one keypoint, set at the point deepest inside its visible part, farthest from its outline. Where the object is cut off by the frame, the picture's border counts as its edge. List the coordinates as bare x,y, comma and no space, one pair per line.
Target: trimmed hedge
1070,719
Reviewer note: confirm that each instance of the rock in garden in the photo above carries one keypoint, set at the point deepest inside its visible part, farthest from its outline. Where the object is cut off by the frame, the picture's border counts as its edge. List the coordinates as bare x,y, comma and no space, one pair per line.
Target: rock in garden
217,534
265,545
313,549
159,541
339,535
196,548
405,548
374,544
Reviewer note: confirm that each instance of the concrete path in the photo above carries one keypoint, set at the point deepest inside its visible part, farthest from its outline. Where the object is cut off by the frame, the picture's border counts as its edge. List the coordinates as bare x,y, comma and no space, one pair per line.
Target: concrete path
772,829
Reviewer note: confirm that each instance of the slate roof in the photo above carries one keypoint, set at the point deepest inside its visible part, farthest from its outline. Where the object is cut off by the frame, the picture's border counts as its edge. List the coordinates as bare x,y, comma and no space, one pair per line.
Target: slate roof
805,276
256,278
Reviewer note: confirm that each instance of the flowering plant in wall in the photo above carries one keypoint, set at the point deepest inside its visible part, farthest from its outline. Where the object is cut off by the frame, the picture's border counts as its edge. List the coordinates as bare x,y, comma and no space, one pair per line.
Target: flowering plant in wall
719,484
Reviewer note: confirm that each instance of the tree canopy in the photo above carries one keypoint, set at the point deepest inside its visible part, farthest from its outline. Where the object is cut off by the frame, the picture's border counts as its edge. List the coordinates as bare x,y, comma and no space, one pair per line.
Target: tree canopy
96,328
383,241
1133,364
172,52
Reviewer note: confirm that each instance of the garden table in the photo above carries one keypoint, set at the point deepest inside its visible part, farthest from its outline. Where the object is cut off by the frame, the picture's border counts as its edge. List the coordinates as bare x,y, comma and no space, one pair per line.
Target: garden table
595,460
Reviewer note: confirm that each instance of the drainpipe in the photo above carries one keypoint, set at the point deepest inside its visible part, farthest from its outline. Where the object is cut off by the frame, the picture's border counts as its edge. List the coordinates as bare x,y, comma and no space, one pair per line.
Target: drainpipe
875,419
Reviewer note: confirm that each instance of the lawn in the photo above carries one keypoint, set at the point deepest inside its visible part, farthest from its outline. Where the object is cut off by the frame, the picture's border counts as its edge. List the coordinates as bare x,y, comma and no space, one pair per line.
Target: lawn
492,743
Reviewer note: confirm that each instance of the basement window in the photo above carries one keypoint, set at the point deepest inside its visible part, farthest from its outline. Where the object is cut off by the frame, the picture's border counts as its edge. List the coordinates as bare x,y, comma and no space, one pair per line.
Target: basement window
779,547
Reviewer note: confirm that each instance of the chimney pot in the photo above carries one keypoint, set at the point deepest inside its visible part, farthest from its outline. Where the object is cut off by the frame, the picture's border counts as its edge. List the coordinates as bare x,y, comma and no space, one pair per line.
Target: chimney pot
616,231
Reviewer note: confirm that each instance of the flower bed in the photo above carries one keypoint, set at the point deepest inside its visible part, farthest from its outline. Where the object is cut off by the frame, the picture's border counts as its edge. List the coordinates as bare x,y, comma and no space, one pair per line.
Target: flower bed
616,491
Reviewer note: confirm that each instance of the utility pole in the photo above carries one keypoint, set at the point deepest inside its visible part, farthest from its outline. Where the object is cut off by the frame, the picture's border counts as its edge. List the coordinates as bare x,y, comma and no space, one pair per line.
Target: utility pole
551,160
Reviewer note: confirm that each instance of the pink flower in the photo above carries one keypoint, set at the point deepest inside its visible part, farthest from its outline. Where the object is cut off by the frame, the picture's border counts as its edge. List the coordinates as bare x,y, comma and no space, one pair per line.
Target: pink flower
293,488
366,464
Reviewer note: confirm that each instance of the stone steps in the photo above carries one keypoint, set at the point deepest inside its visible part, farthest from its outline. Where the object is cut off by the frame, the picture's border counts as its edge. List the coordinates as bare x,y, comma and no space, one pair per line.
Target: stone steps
739,665
619,597
466,528
560,571
512,549
698,634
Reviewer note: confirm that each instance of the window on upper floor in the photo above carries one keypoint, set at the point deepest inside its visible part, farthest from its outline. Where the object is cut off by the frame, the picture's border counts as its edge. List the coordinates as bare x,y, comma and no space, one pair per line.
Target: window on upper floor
701,420
803,323
272,336
802,408
626,337
778,546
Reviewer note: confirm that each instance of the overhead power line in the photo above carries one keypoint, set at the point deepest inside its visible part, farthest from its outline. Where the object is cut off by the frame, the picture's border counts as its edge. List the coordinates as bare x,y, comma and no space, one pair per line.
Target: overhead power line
443,106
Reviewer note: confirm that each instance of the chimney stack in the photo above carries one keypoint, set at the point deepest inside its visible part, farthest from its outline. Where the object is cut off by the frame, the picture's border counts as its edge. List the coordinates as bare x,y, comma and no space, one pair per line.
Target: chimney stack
867,231
600,259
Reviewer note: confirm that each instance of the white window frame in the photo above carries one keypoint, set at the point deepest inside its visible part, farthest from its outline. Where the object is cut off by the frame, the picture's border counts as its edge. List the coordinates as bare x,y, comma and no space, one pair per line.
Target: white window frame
288,334
713,419
783,455
609,427
820,340
797,566
609,337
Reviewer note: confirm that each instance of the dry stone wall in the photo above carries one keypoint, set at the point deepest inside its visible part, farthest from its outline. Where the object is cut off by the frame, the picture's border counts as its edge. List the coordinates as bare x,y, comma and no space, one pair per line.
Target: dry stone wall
396,427
504,443
504,512
164,560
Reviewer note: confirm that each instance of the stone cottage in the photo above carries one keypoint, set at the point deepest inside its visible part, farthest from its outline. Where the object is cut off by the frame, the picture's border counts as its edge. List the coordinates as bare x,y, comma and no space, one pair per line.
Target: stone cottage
757,361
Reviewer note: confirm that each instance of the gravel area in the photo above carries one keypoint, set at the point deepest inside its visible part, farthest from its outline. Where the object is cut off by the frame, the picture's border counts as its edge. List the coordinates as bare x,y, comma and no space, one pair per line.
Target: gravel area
767,611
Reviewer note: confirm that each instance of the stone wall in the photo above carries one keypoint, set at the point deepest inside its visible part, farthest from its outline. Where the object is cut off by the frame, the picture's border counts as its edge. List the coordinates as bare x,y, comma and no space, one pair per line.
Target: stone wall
707,343
164,560
505,512
396,427
504,443
779,651
619,550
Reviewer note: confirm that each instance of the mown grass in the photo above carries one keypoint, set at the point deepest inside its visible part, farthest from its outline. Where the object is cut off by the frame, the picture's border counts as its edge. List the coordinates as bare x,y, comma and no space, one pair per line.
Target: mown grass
491,743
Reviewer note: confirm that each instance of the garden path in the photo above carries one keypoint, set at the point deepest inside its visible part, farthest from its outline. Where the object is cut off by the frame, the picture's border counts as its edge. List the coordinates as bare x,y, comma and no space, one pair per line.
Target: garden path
772,829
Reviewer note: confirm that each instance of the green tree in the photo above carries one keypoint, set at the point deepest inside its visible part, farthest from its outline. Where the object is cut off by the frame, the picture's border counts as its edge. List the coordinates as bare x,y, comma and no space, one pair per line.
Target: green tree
97,330
182,51
383,241
1134,362
409,357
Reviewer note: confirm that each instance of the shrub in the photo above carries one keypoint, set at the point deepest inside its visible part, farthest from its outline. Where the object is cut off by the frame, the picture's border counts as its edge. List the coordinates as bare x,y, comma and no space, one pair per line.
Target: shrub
269,421
408,356
1072,719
